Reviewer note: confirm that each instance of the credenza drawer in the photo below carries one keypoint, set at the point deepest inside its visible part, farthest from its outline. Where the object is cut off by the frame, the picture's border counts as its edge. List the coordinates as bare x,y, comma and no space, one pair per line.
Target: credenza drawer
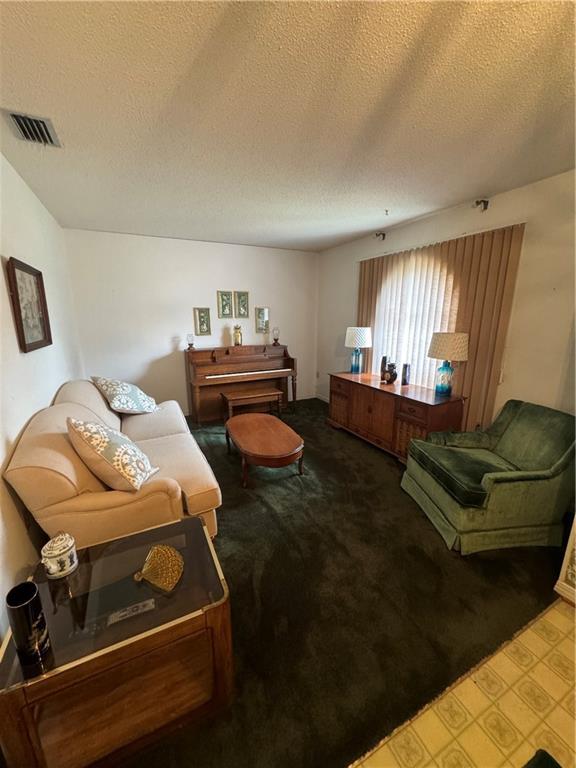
410,410
337,385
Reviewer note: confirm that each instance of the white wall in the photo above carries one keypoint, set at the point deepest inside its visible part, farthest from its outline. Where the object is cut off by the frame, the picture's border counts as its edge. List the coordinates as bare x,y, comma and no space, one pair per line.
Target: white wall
135,297
539,352
28,382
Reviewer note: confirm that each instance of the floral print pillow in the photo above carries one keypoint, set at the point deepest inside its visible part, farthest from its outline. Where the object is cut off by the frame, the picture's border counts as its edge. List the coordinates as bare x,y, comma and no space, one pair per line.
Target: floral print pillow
124,397
110,455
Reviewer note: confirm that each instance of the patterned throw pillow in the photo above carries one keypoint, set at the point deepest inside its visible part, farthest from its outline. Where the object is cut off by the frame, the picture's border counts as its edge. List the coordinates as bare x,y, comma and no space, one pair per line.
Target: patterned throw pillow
110,455
124,397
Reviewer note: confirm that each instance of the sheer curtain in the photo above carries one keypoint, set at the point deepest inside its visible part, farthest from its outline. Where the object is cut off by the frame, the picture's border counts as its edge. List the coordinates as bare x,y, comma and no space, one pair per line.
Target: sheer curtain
465,285
417,297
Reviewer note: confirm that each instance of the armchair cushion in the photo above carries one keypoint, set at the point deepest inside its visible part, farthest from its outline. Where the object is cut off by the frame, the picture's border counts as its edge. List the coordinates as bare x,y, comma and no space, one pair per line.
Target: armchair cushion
459,470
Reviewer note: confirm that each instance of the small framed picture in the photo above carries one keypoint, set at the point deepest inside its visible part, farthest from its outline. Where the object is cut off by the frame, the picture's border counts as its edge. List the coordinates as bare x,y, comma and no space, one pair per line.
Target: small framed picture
29,305
241,307
225,308
202,321
262,315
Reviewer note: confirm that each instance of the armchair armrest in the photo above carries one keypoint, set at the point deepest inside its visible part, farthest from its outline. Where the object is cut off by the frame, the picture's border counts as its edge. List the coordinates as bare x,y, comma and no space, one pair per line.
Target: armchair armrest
528,475
462,439
492,478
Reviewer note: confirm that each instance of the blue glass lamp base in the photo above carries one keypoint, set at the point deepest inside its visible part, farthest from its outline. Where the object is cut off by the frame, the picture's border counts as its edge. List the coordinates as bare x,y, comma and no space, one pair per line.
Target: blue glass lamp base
444,379
356,361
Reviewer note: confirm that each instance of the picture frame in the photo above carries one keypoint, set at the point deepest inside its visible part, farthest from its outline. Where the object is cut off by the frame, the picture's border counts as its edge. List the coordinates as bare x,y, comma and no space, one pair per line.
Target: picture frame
202,321
28,298
262,318
241,304
566,584
224,304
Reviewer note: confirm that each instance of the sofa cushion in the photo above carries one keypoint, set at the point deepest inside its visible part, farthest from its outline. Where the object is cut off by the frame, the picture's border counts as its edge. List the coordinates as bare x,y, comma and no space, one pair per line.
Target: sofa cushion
168,419
536,437
111,456
44,468
459,470
124,397
180,457
85,393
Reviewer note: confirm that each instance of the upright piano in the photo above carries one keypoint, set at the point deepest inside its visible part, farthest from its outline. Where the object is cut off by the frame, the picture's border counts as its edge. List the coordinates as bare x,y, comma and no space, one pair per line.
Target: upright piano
245,368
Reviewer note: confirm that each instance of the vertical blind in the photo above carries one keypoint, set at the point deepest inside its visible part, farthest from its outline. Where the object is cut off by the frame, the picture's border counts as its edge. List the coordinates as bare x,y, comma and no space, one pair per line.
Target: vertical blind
464,284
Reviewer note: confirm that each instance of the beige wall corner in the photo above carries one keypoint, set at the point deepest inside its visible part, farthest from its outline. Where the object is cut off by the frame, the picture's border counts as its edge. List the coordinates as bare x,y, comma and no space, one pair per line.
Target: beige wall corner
539,353
29,381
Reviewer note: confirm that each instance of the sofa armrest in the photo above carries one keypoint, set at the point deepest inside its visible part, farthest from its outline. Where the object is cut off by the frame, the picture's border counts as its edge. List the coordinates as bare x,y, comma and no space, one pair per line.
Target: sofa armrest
96,517
462,439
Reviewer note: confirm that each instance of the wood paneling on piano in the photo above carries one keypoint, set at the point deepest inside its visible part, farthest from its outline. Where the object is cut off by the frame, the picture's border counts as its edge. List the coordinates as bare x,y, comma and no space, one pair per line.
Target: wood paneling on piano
246,368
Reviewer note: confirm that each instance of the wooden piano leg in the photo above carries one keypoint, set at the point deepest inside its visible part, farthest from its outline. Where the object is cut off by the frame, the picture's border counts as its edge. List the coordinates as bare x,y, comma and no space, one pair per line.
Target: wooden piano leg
227,441
196,404
294,392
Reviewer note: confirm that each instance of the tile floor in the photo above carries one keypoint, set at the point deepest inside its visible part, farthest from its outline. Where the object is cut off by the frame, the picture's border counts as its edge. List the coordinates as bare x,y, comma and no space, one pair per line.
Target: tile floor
497,715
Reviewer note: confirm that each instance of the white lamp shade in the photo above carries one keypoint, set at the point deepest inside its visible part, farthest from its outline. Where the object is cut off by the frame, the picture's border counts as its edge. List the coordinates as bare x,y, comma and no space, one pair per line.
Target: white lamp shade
449,346
358,338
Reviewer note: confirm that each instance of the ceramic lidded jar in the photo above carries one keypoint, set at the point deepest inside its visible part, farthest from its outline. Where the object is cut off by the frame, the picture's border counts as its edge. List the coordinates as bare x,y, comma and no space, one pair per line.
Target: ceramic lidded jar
59,556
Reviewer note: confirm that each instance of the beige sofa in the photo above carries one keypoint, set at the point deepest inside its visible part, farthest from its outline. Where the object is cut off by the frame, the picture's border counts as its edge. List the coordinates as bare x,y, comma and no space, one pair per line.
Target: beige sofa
63,494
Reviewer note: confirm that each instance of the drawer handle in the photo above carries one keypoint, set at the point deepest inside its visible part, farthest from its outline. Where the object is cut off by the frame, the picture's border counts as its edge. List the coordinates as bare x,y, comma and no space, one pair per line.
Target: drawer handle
411,409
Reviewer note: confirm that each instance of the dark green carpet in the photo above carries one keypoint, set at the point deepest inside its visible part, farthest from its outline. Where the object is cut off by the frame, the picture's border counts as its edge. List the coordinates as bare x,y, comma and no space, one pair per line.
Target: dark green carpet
348,612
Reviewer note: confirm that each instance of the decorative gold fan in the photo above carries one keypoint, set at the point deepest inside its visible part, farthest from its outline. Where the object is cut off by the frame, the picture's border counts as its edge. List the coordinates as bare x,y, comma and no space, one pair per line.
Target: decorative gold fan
162,568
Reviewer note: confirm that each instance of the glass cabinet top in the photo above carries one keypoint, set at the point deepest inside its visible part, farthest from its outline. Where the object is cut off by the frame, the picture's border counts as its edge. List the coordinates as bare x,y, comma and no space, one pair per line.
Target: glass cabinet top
101,603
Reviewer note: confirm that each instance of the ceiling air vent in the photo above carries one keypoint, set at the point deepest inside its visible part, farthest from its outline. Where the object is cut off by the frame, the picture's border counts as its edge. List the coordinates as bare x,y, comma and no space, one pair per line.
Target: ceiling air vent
38,130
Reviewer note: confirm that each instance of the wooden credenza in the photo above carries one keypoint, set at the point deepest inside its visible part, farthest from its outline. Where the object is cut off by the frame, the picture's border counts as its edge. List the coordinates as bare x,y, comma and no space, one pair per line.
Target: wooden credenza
390,415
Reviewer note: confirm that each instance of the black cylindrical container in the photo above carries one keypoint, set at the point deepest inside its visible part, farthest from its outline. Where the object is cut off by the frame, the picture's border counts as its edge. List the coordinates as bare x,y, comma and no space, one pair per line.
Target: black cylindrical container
406,373
383,366
27,621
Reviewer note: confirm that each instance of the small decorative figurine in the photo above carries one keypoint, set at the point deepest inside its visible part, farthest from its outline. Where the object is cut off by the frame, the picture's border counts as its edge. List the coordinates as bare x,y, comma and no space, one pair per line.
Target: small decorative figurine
237,335
390,375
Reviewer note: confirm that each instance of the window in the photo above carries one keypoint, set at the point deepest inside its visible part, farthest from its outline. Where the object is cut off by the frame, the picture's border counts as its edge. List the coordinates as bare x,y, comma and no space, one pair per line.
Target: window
417,297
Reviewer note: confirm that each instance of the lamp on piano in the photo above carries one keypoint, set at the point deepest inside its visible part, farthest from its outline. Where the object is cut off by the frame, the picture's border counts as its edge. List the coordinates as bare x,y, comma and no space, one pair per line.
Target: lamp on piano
275,335
357,339
190,340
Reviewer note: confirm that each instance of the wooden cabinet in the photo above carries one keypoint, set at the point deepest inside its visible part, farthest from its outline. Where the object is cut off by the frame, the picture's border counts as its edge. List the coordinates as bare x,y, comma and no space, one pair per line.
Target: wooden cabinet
389,416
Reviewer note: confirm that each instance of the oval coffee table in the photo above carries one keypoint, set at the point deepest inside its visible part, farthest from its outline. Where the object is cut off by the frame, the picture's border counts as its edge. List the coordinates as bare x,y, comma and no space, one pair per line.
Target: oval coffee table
265,441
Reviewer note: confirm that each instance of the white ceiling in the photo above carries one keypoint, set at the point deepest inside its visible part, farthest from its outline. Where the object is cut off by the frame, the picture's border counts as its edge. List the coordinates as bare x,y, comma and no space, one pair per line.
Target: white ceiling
284,124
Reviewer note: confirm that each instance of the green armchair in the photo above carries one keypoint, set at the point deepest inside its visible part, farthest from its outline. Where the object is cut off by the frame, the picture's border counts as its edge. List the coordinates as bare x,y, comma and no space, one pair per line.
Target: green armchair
509,486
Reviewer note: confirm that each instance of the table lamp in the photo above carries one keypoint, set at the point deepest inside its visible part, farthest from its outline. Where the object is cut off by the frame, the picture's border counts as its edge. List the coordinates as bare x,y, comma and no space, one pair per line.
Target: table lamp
356,339
449,347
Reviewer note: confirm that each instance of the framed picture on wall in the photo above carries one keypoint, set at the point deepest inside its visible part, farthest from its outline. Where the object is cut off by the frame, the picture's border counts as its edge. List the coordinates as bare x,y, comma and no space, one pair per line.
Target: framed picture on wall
202,321
241,307
262,315
225,308
29,306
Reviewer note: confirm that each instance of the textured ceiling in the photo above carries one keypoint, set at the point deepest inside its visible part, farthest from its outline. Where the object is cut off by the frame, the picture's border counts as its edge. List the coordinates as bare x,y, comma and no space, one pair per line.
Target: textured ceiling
284,124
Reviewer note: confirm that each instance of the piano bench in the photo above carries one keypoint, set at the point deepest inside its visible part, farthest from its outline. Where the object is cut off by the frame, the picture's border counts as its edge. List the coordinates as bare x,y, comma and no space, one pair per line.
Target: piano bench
256,397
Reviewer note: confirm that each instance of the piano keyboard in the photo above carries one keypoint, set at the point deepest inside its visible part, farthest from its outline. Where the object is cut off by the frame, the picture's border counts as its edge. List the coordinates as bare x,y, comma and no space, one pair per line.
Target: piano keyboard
247,373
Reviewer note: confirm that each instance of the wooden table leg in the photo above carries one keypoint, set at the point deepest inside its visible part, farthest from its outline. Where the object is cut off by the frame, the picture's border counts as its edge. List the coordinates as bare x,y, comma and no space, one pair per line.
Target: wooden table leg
244,472
301,465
